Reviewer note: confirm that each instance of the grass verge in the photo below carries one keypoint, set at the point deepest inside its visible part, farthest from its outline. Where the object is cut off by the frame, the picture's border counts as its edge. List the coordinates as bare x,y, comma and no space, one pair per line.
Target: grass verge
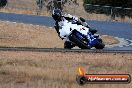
26,35
59,69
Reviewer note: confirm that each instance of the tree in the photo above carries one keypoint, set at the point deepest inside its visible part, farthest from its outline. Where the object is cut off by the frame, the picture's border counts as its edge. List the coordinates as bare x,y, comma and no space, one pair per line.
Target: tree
115,3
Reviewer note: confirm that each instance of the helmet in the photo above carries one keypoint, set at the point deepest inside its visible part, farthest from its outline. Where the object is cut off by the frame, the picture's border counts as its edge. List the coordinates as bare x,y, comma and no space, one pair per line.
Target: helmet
56,14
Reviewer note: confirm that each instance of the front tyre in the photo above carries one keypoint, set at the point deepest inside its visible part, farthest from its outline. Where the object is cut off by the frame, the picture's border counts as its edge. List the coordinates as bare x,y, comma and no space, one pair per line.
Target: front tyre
99,44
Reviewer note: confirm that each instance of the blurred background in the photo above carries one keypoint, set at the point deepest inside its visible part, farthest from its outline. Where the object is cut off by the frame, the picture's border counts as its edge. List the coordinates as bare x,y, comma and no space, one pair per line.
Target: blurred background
106,10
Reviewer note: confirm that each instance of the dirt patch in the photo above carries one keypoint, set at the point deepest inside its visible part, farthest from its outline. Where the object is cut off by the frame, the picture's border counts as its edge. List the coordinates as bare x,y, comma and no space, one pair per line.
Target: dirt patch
25,35
59,69
109,40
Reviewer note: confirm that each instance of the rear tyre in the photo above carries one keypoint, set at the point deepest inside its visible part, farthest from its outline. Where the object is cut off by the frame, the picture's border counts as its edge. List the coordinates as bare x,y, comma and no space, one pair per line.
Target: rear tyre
68,45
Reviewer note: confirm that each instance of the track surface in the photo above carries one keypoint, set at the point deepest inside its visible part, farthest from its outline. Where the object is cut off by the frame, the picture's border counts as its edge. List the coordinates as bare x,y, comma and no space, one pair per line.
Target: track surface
62,50
117,29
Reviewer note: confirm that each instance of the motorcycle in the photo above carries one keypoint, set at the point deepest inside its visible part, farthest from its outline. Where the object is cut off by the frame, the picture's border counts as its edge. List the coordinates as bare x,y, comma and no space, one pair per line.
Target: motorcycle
78,35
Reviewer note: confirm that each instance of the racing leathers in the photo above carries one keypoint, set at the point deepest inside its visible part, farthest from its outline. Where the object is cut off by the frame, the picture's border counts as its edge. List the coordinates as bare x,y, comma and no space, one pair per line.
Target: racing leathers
65,27
79,21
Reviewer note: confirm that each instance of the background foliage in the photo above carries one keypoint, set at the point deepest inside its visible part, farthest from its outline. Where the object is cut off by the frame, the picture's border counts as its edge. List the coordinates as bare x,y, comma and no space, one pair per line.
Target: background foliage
121,3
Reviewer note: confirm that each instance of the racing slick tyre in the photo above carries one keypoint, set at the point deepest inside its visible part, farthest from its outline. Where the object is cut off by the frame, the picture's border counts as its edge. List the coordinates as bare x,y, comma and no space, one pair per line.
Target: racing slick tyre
81,80
99,44
68,45
78,42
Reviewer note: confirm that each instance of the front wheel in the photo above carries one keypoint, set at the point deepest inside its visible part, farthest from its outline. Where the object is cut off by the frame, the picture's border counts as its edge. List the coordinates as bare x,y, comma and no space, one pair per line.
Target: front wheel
99,44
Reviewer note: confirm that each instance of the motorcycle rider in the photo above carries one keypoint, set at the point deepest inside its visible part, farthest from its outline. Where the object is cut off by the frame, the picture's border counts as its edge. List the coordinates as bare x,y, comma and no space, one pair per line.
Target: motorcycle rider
57,16
61,23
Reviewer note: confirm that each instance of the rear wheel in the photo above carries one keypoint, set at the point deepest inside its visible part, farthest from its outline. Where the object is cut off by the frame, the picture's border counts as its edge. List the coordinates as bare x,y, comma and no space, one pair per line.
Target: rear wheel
68,45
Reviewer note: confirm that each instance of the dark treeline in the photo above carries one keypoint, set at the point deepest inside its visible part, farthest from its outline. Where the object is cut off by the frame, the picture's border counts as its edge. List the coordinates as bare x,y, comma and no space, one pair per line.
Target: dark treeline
114,3
113,11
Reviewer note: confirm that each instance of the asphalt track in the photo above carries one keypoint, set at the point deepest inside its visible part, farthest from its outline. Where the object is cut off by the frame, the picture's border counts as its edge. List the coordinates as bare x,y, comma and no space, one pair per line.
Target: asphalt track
62,50
116,29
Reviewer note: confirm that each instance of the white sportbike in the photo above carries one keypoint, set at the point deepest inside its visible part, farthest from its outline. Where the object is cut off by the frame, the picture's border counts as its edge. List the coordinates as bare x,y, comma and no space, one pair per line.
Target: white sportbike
77,35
